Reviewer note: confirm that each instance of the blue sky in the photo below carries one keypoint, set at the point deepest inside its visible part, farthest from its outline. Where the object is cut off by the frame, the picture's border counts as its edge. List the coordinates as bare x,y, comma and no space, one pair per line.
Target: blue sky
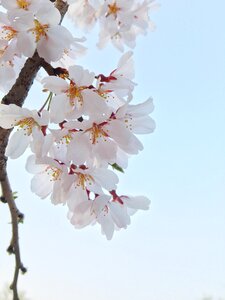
175,251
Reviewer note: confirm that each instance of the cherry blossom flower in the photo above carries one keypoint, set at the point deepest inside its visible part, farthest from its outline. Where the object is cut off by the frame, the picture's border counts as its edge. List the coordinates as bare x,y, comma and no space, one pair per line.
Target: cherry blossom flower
82,13
20,7
110,212
43,33
121,21
86,129
88,179
120,80
136,117
74,98
27,121
8,38
47,180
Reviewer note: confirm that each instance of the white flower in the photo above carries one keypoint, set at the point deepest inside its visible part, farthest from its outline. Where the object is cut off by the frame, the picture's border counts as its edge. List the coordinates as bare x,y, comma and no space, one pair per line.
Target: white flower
82,13
8,39
27,121
43,32
83,180
110,212
74,98
47,179
120,80
121,21
75,50
136,117
20,7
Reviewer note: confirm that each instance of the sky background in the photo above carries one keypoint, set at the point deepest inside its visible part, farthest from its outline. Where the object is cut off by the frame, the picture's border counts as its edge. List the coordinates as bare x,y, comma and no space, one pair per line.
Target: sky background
176,250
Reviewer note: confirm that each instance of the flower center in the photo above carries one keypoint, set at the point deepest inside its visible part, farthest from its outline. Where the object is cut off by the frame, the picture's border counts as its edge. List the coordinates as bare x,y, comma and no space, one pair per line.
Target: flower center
96,133
8,33
83,178
40,30
27,124
67,138
53,172
24,4
113,9
74,92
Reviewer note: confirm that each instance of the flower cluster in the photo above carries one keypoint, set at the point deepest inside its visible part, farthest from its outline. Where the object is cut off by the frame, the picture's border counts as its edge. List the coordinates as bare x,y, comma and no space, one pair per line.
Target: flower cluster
87,127
120,21
84,132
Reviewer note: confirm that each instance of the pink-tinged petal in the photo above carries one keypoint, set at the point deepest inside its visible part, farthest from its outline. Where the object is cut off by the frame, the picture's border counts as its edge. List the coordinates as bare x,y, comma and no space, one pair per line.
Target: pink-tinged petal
99,204
42,185
52,47
32,167
119,215
57,108
94,187
125,66
143,125
41,144
105,150
17,145
21,20
141,109
138,202
79,149
125,139
122,158
82,214
107,225
55,84
57,196
81,76
76,196
106,178
10,115
48,13
26,43
93,103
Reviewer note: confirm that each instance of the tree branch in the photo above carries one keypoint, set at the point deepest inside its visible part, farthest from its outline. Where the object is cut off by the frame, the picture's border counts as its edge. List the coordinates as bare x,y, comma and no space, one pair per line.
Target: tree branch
17,95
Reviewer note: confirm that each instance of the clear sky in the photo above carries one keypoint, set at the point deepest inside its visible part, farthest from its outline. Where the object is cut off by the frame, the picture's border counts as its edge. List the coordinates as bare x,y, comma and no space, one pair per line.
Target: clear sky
176,250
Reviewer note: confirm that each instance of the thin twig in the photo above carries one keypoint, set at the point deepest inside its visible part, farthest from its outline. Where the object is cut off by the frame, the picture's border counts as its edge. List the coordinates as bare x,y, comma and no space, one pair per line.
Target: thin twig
14,245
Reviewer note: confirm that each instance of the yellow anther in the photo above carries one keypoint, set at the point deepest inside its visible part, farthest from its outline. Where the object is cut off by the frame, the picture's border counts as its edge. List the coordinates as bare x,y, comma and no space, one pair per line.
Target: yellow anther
83,178
24,4
39,30
53,172
27,124
96,132
74,93
113,9
9,32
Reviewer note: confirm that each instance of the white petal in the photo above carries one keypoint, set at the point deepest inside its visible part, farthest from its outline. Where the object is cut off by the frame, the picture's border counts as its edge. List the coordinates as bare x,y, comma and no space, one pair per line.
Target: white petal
41,185
138,202
57,108
106,178
119,215
107,225
17,145
55,84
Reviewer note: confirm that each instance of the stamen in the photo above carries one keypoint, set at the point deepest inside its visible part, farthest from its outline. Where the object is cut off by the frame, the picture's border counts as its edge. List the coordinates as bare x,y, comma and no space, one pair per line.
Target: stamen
24,4
113,9
83,178
27,124
39,30
96,132
74,93
8,33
